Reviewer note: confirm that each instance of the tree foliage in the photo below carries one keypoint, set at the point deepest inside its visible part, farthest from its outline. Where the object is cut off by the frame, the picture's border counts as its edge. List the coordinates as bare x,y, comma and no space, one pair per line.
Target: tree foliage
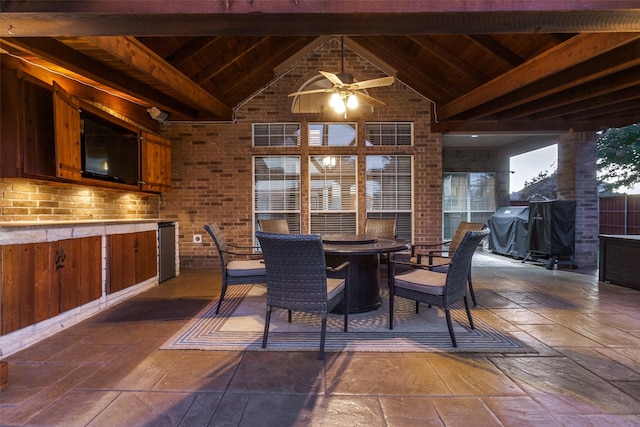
619,157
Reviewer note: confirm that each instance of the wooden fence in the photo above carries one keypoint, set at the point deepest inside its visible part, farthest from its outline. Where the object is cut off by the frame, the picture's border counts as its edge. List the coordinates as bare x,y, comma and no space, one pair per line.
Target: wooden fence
620,214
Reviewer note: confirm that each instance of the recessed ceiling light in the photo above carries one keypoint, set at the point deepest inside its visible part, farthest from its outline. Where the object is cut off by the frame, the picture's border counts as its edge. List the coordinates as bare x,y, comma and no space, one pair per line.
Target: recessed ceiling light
474,136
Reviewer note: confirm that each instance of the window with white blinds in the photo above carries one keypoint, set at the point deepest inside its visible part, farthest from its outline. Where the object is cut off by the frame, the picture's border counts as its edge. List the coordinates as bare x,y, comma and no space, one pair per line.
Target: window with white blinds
389,133
389,190
332,134
332,194
467,197
276,189
276,134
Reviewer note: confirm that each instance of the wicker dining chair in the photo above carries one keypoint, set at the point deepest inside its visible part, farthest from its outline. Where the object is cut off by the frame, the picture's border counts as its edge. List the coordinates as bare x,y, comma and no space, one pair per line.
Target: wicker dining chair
439,255
381,227
423,285
274,225
236,271
298,279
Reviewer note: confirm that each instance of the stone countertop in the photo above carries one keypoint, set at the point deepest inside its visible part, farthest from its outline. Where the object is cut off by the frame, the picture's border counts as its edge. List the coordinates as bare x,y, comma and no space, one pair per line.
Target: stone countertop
12,225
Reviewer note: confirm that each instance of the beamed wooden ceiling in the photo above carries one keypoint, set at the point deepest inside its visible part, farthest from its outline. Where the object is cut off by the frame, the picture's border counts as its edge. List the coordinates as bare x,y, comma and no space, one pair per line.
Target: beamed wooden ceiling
487,65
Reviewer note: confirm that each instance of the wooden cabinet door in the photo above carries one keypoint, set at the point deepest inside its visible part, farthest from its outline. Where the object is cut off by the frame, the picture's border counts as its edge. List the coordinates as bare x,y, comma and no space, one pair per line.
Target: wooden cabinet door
29,293
156,164
121,262
67,132
146,255
79,268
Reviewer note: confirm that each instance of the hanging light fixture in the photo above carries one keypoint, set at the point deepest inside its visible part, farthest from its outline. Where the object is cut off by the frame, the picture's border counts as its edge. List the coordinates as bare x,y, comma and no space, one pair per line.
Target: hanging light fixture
352,101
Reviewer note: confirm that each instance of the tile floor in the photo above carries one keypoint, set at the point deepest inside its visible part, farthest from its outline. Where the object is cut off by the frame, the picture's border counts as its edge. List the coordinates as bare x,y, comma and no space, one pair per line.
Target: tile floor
108,371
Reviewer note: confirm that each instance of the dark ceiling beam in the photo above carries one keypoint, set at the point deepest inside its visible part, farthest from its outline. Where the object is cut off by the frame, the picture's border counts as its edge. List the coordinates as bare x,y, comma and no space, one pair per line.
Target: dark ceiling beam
461,126
431,45
318,6
493,47
288,18
228,58
525,101
573,52
60,55
137,55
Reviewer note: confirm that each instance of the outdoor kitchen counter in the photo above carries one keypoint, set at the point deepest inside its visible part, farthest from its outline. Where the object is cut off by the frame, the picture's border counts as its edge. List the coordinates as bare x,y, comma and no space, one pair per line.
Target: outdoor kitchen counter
18,232
619,257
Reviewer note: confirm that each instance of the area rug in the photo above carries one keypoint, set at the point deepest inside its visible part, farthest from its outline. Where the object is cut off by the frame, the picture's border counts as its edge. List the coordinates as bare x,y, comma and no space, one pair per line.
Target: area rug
240,324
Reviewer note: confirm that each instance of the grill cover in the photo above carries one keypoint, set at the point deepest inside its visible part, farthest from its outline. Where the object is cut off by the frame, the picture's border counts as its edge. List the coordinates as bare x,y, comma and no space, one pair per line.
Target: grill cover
552,226
509,231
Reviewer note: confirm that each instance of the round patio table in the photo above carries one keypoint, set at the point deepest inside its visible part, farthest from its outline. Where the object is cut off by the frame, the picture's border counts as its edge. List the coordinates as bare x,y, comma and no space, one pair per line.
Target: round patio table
363,253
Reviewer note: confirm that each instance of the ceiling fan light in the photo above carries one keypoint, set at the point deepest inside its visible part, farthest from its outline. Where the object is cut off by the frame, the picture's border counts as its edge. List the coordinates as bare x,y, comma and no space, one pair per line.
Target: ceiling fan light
352,101
340,107
334,100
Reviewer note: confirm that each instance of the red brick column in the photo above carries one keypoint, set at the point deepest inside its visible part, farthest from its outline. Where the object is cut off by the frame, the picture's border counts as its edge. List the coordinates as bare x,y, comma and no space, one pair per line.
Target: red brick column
577,164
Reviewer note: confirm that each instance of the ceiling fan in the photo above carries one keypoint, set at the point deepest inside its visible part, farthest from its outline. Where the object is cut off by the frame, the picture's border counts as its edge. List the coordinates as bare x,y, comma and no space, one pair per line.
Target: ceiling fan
345,92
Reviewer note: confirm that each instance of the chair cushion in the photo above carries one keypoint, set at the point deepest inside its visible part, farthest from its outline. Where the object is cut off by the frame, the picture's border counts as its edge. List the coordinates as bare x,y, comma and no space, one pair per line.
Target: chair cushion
246,268
334,287
424,281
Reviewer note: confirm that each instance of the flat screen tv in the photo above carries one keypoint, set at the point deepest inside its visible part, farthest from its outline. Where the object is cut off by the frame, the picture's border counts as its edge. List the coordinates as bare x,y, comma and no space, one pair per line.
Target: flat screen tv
110,152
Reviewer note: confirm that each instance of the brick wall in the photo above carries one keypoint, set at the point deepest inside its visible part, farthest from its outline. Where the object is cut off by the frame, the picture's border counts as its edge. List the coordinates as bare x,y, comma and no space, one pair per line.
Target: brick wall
212,163
34,200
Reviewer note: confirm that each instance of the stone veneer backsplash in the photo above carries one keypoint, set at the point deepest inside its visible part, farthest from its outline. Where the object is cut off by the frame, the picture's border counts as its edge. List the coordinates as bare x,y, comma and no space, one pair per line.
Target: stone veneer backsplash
33,200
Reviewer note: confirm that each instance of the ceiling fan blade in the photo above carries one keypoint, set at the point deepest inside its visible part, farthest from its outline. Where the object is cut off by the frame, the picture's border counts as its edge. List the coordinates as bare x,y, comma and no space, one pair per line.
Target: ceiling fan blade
383,81
369,100
332,78
308,92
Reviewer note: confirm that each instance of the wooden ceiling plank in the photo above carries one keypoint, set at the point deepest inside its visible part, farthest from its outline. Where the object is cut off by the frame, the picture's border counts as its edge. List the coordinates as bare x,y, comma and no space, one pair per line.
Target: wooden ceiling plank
227,59
622,81
575,51
610,63
604,111
190,49
137,55
409,72
579,105
57,53
450,58
496,49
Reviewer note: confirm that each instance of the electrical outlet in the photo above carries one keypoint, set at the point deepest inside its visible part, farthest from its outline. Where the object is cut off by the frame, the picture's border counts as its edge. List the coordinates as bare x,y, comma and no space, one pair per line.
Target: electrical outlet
197,239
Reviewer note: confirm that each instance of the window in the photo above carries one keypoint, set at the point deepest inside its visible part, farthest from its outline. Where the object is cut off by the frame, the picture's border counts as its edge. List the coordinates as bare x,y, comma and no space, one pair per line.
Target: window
276,134
276,189
466,197
332,194
389,133
332,134
389,191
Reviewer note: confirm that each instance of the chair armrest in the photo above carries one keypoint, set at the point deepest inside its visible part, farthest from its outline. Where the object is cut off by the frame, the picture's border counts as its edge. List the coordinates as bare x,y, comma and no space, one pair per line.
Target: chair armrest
242,247
249,254
416,265
416,247
438,254
338,268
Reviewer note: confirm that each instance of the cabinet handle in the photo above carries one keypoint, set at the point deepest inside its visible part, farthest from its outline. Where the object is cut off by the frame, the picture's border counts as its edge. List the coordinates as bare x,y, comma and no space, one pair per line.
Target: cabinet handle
60,257
136,245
